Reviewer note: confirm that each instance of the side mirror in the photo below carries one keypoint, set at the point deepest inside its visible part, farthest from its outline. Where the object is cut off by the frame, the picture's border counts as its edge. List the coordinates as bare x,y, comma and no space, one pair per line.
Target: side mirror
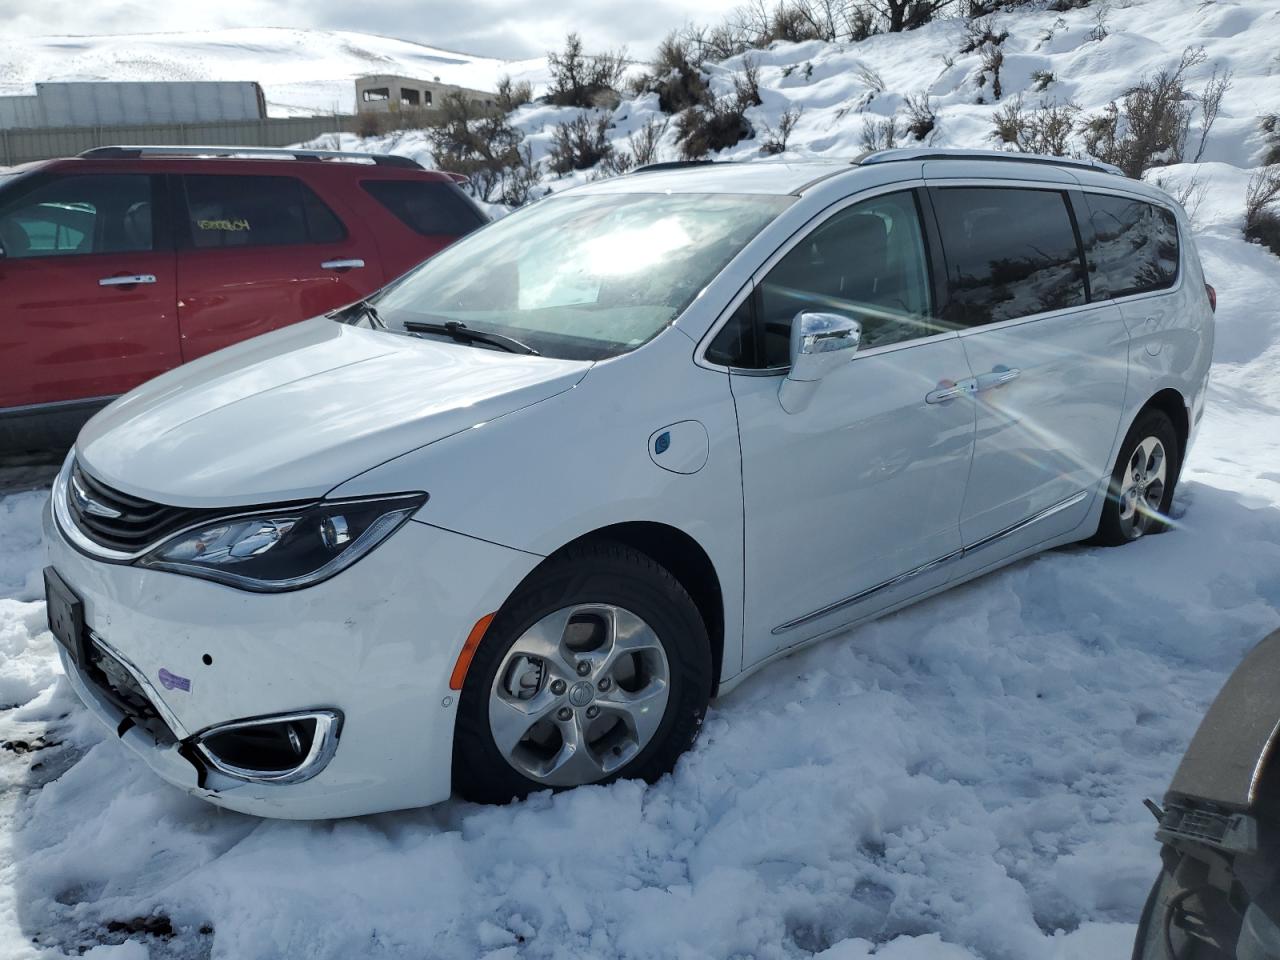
820,343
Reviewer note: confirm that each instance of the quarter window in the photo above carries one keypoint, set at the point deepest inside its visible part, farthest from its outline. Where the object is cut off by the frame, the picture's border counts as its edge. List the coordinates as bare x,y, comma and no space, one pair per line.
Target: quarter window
248,211
1010,253
1133,247
68,216
867,262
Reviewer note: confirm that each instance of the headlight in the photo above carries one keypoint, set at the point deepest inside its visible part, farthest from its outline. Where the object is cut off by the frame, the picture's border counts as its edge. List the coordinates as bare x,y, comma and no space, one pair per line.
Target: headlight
284,549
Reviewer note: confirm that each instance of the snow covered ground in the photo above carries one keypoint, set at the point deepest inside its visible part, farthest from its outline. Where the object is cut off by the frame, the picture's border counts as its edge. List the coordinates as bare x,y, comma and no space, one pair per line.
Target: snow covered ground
302,72
959,780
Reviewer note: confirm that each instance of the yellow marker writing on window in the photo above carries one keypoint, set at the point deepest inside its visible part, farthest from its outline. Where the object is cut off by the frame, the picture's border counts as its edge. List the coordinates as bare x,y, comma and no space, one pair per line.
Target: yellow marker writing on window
238,224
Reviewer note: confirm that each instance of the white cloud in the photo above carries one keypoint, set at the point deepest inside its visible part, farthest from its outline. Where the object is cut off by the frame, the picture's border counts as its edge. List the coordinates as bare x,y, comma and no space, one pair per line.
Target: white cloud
512,29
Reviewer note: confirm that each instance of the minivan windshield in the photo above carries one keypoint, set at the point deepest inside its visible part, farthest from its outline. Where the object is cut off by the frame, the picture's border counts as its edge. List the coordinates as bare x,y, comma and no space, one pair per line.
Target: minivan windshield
577,277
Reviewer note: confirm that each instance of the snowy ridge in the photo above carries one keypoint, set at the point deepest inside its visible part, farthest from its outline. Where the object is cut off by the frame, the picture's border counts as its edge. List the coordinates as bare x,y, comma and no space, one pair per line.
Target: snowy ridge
957,781
302,72
841,87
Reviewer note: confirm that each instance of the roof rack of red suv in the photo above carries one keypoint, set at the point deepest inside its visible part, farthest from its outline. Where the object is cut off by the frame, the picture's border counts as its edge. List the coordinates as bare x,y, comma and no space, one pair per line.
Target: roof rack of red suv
278,153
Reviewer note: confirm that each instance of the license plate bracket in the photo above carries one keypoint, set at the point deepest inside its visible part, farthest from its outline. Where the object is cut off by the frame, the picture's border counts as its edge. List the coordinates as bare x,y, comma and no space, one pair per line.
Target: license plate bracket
66,617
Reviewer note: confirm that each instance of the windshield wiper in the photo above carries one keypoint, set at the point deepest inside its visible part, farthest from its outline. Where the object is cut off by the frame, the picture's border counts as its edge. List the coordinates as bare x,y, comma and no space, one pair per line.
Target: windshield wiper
460,332
361,308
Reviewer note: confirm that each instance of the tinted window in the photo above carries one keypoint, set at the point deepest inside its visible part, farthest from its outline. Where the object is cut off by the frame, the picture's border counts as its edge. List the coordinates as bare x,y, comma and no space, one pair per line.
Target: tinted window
430,208
1010,253
79,215
1133,248
245,211
867,262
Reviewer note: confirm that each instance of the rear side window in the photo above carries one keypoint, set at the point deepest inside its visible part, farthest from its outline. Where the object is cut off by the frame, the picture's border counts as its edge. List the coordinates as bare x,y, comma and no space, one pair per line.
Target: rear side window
428,207
1010,253
251,211
69,216
1133,246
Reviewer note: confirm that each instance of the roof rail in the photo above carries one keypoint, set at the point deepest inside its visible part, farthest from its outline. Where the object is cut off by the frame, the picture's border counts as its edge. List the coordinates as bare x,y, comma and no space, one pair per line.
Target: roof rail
675,165
926,153
278,153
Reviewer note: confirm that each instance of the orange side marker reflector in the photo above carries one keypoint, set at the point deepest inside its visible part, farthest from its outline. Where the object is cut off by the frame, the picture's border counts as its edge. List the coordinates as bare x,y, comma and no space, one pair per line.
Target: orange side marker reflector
469,650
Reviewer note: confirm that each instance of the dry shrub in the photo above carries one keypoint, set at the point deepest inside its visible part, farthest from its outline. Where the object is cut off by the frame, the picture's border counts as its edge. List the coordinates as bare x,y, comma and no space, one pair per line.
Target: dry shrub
722,123
580,143
921,121
775,141
1210,101
584,80
483,146
879,133
1270,124
512,96
640,151
677,76
1261,217
1045,129
1149,127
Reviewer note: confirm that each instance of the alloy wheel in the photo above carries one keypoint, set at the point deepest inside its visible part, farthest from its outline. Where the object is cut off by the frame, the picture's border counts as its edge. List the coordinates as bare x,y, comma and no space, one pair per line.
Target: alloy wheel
1142,488
579,694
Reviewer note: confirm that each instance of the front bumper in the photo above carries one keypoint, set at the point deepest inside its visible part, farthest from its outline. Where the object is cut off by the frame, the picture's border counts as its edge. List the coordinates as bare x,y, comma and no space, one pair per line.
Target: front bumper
376,643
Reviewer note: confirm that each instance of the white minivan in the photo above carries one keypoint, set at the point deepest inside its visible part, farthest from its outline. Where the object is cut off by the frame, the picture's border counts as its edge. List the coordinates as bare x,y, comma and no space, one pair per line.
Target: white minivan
510,523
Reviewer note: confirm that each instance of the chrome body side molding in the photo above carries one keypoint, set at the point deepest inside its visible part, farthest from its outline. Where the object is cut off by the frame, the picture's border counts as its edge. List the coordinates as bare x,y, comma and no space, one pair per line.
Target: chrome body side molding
901,578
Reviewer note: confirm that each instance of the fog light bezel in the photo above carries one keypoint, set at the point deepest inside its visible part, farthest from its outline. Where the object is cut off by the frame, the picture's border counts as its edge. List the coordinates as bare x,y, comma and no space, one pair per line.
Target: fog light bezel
324,743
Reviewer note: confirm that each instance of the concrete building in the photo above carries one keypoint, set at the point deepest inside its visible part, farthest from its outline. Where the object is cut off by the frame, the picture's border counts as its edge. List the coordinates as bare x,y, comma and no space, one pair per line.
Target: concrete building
108,104
385,93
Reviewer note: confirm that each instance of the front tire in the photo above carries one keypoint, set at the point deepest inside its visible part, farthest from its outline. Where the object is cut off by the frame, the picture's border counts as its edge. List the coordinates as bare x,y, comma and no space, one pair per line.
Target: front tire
597,668
1140,492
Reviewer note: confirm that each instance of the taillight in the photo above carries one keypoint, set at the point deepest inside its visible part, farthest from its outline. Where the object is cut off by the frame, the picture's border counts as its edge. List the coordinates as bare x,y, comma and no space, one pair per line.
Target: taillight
1213,297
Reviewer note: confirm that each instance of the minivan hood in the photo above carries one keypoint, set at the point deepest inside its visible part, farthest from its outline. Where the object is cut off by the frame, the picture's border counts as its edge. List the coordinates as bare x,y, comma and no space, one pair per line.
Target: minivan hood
290,415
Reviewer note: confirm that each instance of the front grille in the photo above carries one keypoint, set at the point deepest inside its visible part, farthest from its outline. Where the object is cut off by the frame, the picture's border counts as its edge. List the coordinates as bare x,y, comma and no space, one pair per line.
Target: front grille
120,522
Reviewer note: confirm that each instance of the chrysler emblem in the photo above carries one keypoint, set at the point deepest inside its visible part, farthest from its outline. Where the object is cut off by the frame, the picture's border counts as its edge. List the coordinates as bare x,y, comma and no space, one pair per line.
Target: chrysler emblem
88,505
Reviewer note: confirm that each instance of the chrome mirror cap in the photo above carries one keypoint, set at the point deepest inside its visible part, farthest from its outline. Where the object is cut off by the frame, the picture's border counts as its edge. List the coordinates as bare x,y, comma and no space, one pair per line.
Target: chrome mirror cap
820,343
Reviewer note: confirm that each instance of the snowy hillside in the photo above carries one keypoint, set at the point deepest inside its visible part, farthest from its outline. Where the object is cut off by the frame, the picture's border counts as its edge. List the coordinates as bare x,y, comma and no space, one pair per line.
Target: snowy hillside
1048,57
959,781
301,71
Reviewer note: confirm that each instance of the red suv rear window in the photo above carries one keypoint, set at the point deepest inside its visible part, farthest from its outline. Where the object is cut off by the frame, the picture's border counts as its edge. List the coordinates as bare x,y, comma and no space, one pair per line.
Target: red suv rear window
429,207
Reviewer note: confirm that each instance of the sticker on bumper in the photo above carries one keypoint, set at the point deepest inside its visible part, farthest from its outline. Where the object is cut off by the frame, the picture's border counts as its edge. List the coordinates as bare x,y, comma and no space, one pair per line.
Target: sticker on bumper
171,681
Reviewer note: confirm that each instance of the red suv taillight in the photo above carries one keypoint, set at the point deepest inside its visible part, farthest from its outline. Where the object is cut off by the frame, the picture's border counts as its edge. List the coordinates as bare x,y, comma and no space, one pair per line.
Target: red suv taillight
1213,297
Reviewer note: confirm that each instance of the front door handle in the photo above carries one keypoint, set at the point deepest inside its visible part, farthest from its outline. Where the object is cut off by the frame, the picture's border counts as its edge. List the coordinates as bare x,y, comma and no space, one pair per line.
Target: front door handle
948,390
127,281
998,378
342,264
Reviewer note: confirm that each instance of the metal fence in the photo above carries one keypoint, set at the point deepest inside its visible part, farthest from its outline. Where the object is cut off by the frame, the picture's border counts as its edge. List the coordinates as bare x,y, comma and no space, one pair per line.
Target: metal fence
21,145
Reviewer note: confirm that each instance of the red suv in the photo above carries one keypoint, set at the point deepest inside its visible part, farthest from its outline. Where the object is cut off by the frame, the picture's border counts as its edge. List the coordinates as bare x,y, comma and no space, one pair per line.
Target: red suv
123,262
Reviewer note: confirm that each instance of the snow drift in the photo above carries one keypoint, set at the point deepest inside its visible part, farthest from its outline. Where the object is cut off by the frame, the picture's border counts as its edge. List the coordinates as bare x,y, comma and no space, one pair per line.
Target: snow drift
959,780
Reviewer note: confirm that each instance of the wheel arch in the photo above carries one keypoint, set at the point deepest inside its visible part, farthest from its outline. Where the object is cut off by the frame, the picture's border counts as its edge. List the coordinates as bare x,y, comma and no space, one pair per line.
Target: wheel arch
1173,405
686,560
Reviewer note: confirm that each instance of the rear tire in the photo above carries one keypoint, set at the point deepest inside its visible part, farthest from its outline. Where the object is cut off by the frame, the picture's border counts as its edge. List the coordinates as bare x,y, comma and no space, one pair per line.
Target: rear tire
1140,492
602,659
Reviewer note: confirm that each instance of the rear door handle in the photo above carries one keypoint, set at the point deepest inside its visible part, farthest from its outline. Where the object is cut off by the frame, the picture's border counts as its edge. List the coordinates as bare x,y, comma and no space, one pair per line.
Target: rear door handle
998,378
950,391
341,264
127,281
